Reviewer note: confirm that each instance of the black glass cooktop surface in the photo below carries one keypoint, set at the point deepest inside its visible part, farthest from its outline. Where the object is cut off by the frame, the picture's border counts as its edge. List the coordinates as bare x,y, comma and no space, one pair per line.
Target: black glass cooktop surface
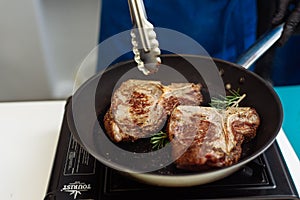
78,175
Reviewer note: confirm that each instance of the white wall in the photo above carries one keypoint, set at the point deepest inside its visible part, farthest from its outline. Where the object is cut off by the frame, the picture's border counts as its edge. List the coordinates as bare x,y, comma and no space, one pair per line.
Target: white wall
42,42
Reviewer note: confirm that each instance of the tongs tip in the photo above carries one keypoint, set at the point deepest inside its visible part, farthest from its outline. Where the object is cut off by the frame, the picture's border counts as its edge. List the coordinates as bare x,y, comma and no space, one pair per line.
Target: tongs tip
143,38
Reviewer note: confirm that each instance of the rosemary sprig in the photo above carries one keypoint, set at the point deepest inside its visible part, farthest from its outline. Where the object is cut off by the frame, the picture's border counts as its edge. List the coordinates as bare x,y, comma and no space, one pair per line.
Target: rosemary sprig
159,140
231,100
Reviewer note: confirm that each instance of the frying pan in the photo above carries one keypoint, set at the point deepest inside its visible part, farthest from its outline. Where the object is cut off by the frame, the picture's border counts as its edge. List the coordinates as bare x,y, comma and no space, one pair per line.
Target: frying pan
92,99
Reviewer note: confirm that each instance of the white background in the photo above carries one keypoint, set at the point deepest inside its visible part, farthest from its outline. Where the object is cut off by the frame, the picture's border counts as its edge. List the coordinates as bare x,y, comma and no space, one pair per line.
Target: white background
42,42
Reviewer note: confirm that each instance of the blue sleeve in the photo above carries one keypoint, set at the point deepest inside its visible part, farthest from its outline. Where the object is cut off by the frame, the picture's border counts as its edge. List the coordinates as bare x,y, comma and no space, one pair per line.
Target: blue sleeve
225,28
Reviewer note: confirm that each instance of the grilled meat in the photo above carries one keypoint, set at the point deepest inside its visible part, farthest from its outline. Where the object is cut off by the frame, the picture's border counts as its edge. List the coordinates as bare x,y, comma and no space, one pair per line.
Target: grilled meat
181,94
140,107
205,137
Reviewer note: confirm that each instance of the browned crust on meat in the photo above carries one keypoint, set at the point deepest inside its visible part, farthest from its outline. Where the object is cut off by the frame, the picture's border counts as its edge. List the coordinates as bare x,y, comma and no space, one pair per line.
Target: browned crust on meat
112,128
245,123
190,94
196,135
140,108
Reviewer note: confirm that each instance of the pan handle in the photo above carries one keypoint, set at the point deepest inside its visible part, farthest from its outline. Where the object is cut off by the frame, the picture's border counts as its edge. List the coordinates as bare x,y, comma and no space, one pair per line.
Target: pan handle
260,47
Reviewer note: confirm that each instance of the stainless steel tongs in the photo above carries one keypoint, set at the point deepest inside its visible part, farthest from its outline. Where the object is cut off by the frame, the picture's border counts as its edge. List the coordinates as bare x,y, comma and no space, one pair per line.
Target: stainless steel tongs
143,38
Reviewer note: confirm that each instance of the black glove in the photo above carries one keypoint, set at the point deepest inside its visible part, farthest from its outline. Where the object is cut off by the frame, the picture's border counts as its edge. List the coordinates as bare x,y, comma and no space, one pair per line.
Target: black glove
288,12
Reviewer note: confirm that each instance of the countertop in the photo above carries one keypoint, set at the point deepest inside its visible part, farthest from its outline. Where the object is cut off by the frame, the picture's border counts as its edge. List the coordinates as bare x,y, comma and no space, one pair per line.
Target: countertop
289,96
29,133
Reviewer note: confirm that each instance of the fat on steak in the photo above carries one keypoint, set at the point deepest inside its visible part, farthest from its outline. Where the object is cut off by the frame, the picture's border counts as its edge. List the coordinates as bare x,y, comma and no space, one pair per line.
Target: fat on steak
206,137
140,108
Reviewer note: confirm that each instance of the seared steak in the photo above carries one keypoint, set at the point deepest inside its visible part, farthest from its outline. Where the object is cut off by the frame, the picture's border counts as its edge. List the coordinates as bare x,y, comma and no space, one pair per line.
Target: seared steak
205,137
140,107
180,94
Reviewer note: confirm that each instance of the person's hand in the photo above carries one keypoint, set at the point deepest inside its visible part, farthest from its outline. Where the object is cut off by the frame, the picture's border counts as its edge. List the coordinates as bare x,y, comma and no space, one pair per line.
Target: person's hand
288,12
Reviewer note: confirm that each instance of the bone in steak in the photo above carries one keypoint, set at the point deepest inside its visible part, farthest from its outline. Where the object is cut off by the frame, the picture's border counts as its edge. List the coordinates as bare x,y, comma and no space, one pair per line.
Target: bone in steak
140,108
206,137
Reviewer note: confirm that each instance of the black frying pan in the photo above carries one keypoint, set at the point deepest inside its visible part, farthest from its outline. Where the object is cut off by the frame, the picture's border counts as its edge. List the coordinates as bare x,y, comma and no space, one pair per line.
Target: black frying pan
90,102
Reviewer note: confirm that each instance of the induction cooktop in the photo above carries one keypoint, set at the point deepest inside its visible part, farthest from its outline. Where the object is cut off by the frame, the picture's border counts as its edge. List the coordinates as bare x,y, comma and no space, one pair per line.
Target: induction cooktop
78,175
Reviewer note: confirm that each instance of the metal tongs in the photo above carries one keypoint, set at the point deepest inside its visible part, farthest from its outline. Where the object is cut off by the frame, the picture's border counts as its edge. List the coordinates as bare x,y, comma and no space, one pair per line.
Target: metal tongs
143,38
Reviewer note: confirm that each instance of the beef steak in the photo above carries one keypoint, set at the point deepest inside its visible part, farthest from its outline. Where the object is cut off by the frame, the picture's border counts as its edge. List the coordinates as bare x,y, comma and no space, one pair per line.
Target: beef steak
140,108
206,137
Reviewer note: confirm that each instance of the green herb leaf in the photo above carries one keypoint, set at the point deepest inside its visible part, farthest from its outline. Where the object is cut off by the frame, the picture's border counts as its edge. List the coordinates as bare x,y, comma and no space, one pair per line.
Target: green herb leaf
231,100
159,140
